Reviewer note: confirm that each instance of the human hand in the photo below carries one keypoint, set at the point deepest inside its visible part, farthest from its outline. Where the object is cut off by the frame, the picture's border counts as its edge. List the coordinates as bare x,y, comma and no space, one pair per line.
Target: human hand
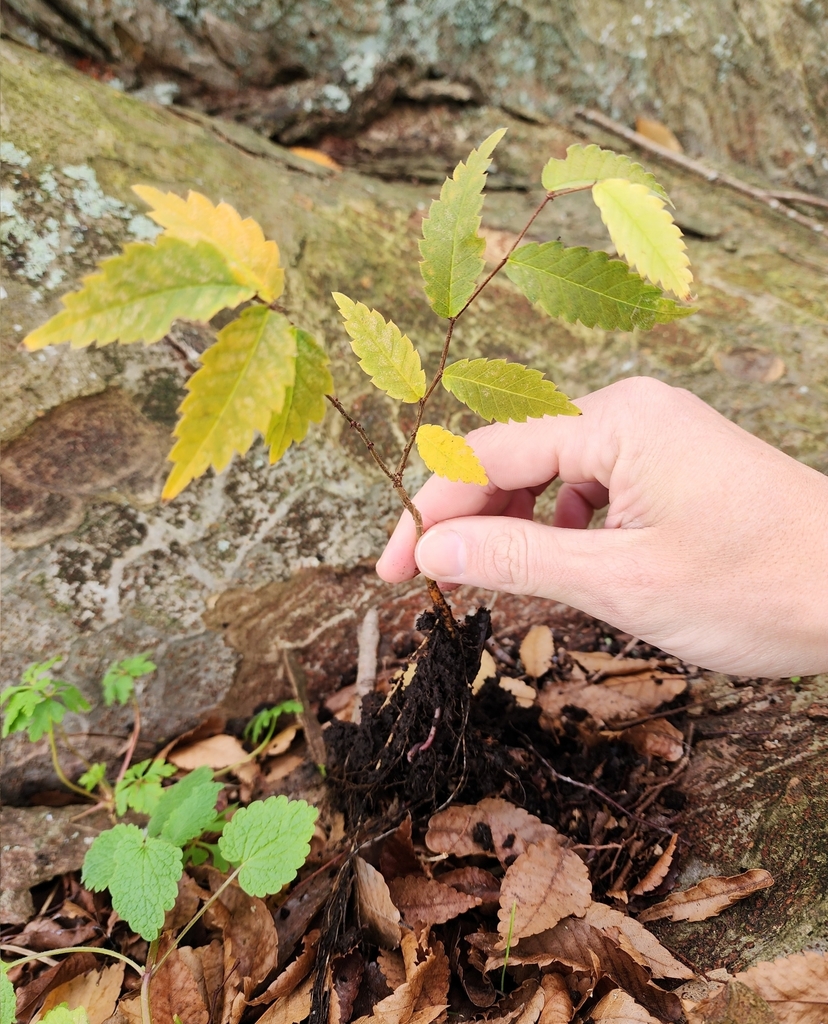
715,547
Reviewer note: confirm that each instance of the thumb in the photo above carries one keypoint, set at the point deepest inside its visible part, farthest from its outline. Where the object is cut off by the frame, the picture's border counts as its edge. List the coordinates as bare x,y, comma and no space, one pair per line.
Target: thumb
582,568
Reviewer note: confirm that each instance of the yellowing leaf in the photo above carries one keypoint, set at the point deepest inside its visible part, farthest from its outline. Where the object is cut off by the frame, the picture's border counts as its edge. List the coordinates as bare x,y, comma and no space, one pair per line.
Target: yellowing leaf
136,296
243,380
241,242
586,165
304,400
385,353
644,233
497,390
451,248
448,455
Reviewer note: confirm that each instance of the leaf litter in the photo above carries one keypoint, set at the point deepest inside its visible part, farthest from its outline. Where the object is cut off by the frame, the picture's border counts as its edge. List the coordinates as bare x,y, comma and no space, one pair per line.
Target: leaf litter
498,862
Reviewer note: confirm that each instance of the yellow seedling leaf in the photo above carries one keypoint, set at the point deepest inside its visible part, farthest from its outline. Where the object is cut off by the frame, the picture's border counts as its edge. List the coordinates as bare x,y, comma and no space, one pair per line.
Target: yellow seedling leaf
304,399
242,382
385,353
644,233
136,296
449,456
253,260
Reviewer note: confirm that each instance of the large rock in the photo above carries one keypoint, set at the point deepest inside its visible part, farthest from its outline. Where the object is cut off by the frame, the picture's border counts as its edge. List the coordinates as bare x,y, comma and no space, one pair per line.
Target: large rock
748,82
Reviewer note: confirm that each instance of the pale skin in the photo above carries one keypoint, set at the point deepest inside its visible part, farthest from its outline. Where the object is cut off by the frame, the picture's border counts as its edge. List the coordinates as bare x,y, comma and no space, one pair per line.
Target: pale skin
715,547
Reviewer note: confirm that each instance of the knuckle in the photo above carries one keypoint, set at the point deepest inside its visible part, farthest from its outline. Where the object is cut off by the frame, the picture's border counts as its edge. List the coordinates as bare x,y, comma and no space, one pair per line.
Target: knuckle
506,558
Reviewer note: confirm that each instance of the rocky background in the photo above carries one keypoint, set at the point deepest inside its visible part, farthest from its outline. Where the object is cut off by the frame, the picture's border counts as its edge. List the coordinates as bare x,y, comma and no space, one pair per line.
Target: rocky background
216,584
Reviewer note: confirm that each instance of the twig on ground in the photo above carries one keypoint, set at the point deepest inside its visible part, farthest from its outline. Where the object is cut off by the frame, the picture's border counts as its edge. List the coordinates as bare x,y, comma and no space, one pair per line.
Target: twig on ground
310,723
368,643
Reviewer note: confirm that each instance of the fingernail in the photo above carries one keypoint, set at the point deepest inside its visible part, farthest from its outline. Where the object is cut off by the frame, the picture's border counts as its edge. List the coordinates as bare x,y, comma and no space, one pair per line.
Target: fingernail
441,555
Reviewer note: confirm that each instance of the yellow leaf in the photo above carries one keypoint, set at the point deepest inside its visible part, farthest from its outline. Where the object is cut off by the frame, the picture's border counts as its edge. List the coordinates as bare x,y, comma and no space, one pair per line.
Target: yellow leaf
644,233
316,156
242,382
242,243
448,455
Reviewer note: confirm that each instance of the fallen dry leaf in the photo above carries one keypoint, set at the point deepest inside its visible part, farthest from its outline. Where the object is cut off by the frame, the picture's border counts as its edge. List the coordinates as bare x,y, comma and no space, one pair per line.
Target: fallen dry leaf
491,826
425,902
657,738
377,911
604,664
476,882
215,752
282,767
618,1007
733,1003
524,694
650,689
346,977
603,702
543,886
536,650
96,991
397,856
42,933
129,1010
522,1006
709,898
30,994
292,1008
658,132
392,966
795,987
636,940
281,741
487,670
178,989
190,894
423,996
293,974
317,156
658,872
557,1006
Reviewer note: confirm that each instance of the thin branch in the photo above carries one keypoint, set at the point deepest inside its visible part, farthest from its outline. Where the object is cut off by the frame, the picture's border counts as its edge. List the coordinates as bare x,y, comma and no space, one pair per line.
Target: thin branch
366,440
78,949
133,740
771,199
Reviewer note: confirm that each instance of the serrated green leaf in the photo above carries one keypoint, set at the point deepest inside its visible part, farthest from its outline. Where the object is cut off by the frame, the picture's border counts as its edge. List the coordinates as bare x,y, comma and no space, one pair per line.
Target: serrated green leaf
63,1015
140,788
585,165
92,776
241,384
451,248
449,456
270,840
385,353
187,809
141,873
119,682
8,1004
644,233
581,284
137,295
497,390
241,242
304,400
40,703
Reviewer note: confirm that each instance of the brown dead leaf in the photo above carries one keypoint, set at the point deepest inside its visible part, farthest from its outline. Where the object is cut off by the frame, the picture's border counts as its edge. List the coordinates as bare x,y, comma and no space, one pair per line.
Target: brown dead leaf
96,991
281,741
476,882
618,1007
650,689
487,670
536,650
795,987
658,132
282,767
543,886
392,966
425,902
178,990
658,872
377,911
293,974
491,826
398,856
733,1004
190,894
604,664
346,978
752,364
423,996
656,738
215,752
709,898
42,933
30,994
292,1008
524,694
557,1007
316,156
130,1011
603,702
636,940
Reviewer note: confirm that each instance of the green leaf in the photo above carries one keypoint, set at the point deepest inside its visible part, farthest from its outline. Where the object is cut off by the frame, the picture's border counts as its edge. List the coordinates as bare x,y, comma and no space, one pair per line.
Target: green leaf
451,248
93,776
119,682
579,284
63,1015
266,719
241,384
270,840
304,400
137,295
187,809
385,353
497,390
8,1004
140,788
449,456
40,703
585,165
644,233
141,873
